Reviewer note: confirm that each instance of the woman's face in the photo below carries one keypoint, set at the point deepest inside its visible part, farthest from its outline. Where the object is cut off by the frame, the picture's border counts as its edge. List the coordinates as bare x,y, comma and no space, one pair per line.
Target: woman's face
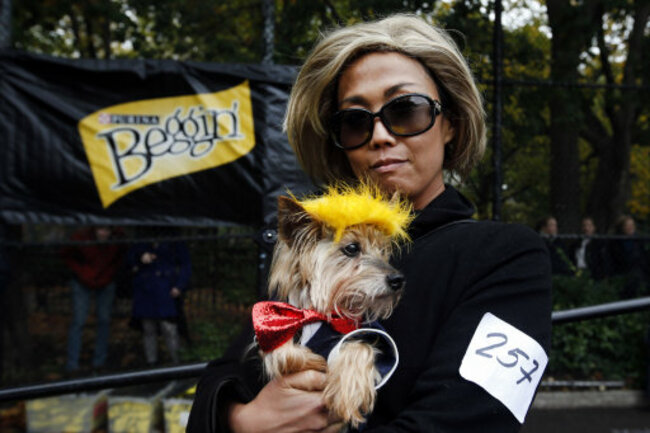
412,165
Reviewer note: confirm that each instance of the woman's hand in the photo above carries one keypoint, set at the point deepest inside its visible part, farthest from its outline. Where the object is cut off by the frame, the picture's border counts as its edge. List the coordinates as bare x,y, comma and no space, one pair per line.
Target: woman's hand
287,404
147,258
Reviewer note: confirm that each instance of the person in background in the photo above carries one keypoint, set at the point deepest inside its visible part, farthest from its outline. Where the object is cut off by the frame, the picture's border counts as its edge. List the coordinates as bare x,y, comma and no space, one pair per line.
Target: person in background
589,254
161,273
629,258
561,264
94,265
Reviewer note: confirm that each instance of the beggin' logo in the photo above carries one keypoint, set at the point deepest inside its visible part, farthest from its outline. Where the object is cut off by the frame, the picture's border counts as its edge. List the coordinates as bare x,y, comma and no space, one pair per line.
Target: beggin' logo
139,143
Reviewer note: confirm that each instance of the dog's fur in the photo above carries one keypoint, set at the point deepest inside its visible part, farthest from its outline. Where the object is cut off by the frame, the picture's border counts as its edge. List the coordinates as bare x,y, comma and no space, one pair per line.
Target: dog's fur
349,277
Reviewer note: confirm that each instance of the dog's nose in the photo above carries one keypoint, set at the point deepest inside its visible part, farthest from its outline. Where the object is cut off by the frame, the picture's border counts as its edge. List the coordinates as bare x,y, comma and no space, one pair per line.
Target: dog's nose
395,281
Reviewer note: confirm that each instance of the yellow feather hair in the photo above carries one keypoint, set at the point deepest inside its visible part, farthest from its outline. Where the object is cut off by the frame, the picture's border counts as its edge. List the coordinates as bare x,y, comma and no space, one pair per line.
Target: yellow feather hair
344,206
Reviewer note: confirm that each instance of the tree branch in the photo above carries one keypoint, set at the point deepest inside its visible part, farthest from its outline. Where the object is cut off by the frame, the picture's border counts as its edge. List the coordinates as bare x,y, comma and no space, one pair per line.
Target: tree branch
594,131
635,41
604,51
513,194
90,39
76,31
336,15
106,37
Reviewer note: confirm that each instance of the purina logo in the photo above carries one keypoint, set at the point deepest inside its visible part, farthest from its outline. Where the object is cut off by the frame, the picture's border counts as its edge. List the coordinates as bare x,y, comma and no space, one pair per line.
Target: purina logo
140,143
128,119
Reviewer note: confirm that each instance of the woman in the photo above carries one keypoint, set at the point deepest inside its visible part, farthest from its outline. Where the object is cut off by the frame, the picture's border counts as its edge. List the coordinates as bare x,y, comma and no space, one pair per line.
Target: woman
161,274
394,100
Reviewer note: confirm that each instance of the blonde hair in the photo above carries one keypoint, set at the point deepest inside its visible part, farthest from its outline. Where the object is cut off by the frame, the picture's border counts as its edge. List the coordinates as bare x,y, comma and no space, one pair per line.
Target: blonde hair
313,97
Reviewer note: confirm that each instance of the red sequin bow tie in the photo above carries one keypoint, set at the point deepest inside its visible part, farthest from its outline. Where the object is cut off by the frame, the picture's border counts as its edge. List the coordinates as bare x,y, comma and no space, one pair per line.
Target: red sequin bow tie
275,323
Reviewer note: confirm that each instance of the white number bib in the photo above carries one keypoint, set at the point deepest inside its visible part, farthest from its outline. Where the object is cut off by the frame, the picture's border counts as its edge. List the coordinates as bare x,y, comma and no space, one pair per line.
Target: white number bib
506,362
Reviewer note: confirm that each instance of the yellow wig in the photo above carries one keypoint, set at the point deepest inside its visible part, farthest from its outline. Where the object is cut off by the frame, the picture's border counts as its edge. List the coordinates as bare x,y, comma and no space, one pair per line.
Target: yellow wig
344,206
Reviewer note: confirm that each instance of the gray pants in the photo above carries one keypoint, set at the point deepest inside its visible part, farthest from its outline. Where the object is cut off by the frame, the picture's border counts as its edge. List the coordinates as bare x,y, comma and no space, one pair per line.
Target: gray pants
169,332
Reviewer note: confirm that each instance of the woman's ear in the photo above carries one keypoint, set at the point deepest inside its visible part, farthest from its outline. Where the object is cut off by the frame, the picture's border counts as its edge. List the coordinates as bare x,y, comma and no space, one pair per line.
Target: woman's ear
447,130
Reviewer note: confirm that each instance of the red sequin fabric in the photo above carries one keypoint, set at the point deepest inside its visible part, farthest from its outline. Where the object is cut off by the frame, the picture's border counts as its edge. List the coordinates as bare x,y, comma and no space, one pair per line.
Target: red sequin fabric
275,323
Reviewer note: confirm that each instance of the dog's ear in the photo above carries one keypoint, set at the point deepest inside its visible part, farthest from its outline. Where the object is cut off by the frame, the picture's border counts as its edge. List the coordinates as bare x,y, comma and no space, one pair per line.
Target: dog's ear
291,218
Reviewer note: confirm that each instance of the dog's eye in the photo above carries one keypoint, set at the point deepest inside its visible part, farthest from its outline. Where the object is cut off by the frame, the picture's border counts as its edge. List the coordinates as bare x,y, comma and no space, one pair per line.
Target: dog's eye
352,250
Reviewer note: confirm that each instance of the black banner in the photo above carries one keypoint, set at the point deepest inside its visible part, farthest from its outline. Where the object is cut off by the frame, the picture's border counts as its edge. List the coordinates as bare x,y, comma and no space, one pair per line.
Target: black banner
142,141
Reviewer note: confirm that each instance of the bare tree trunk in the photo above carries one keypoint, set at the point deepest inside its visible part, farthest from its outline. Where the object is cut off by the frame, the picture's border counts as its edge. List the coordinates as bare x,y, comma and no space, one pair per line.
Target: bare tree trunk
610,189
572,28
76,31
106,37
90,37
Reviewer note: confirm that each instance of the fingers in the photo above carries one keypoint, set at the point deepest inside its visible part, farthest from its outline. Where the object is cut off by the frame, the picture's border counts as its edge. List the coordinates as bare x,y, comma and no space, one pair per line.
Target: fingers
308,380
333,419
333,428
323,422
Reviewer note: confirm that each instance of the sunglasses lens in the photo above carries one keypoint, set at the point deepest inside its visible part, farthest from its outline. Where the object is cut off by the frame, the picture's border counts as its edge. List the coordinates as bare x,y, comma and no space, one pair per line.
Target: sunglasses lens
354,127
408,115
404,116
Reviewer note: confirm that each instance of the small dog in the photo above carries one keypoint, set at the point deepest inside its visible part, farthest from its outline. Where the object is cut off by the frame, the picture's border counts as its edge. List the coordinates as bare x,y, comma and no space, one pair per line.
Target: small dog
330,266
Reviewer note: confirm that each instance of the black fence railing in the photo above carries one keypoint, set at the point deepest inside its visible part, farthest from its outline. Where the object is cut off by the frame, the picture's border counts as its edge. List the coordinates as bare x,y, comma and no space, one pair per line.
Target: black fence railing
227,270
194,370
38,304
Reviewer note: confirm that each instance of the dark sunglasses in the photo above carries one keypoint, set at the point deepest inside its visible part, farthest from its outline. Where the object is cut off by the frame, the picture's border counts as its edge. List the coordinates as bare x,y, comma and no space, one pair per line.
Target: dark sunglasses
404,116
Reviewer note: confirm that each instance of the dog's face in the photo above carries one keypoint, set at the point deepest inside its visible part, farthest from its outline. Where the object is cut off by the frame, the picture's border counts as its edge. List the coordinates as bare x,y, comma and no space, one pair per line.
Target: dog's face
351,277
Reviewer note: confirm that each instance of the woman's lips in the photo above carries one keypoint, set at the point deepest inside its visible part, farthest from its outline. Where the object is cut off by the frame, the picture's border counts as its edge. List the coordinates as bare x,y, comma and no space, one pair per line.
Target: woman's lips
387,165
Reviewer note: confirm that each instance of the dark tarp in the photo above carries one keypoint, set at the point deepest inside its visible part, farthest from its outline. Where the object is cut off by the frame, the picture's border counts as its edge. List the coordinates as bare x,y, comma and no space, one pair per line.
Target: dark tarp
142,141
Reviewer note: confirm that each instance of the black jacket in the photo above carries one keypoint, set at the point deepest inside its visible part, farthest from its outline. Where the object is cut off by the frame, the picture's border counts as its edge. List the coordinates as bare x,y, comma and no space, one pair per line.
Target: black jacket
456,270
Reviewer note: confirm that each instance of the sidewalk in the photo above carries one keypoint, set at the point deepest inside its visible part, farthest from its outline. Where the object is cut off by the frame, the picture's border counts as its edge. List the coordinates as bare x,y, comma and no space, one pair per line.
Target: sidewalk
616,411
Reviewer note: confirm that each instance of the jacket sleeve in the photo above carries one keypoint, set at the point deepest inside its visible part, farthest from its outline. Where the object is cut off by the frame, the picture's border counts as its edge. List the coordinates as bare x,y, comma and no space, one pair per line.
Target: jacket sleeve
72,254
236,377
73,259
505,272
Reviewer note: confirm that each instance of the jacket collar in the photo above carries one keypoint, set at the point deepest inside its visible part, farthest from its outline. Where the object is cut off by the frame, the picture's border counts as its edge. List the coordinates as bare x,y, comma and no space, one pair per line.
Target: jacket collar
449,206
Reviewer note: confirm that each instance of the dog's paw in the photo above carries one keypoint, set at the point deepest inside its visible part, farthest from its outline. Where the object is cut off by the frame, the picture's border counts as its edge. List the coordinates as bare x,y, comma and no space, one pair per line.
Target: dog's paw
291,358
349,412
314,362
350,390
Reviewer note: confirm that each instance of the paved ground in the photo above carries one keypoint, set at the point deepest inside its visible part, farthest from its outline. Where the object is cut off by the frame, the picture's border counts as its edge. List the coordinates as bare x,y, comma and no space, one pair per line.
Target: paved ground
594,420
589,412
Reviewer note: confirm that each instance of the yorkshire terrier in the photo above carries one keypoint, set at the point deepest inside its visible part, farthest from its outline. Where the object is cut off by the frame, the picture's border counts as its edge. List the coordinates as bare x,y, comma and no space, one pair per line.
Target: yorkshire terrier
331,275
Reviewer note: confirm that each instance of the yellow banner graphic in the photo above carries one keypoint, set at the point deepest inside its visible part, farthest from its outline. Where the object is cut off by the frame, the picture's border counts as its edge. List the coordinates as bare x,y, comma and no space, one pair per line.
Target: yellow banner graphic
136,144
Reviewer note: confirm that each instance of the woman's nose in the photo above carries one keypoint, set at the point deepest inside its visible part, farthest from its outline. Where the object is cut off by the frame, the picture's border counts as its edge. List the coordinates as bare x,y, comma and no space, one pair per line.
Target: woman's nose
381,136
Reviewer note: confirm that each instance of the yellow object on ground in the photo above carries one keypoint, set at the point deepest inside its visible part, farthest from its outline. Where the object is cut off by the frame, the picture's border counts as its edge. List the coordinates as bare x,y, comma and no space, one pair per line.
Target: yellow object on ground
74,413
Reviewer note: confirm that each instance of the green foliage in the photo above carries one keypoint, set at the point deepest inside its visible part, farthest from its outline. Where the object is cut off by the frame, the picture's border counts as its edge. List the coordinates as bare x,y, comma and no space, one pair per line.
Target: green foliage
210,339
611,348
639,202
228,263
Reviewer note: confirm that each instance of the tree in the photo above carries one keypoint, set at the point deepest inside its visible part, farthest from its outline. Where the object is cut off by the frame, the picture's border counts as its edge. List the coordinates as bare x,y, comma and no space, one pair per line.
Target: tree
525,116
572,27
610,133
586,134
612,136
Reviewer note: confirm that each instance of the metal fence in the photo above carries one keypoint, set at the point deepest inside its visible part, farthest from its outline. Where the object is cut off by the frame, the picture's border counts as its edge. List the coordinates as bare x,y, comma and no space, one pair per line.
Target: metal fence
228,274
226,267
195,369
